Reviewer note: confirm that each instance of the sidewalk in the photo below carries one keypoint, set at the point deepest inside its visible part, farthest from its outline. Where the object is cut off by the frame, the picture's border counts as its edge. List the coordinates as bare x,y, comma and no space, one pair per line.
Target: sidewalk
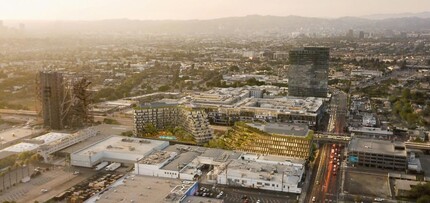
306,184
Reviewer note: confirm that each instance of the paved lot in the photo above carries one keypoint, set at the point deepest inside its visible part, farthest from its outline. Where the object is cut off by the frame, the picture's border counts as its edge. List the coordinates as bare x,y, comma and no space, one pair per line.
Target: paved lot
367,184
12,135
55,181
235,195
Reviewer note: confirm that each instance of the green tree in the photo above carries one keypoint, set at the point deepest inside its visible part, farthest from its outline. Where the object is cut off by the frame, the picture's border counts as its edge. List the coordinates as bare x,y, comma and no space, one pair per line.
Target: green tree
424,199
164,88
420,191
110,121
150,129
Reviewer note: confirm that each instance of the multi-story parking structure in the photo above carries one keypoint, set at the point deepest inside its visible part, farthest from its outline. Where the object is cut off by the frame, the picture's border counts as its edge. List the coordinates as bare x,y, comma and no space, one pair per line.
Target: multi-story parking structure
377,153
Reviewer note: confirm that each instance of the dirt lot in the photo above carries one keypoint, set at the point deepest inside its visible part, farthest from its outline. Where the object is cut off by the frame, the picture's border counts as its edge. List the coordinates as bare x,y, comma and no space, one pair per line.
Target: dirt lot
367,184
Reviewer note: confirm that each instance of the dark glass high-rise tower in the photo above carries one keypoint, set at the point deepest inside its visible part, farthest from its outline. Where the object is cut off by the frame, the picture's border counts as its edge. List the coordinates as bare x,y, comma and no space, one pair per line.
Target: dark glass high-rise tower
308,72
52,95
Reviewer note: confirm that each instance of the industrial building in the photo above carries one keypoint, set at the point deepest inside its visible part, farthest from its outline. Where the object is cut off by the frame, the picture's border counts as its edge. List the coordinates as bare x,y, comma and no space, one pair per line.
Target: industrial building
186,163
159,159
170,114
267,175
49,143
35,143
52,95
115,148
148,189
377,153
308,72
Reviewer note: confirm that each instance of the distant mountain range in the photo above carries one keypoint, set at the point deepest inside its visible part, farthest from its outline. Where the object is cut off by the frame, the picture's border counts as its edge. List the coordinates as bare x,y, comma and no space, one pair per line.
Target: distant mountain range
398,15
253,24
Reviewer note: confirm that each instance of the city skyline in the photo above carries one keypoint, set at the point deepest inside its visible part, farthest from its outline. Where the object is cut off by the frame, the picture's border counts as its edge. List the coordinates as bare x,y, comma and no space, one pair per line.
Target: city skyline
194,9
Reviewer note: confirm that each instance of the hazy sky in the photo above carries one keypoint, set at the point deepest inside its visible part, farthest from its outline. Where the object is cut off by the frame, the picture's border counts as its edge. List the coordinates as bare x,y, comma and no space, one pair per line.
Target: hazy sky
198,9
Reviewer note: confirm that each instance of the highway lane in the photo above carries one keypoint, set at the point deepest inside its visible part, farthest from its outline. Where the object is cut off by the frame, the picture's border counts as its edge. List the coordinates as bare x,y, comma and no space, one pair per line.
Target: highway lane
334,179
326,185
319,183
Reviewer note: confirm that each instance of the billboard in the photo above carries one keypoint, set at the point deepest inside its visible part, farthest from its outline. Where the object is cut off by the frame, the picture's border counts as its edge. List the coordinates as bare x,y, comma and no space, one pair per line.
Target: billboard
353,159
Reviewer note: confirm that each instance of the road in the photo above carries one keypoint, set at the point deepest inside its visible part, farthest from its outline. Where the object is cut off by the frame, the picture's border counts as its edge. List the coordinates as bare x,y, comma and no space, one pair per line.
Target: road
319,171
338,111
326,184
122,120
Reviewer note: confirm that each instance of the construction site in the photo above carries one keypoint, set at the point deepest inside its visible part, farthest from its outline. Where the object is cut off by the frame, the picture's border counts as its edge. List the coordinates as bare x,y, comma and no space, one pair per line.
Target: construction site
64,100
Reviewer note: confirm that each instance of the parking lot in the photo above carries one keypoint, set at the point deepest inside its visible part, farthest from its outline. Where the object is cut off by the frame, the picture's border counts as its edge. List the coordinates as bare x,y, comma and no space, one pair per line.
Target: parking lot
53,181
235,195
367,184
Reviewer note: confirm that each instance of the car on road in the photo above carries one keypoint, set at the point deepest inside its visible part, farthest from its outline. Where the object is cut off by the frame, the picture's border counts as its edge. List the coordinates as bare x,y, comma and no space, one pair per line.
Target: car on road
378,199
44,190
313,199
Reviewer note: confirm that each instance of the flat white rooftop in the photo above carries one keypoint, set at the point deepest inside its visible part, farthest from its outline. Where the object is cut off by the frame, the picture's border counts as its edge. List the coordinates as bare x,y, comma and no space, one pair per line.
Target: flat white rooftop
123,145
21,147
145,189
375,146
51,137
269,172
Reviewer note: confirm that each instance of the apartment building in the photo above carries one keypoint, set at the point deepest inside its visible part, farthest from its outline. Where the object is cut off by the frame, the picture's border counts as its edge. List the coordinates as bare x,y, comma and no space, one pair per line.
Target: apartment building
170,114
291,140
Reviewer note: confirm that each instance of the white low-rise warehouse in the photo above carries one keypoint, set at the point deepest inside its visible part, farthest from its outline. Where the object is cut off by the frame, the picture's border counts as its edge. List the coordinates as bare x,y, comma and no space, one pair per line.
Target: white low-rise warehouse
35,143
116,148
228,167
158,159
263,174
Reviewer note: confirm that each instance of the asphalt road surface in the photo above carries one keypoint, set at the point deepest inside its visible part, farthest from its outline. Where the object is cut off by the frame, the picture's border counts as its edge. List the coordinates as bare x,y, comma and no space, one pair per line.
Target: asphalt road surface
338,112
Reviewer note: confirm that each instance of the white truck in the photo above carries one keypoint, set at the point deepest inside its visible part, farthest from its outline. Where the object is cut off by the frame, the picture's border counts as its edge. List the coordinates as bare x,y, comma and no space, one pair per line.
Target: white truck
101,165
113,166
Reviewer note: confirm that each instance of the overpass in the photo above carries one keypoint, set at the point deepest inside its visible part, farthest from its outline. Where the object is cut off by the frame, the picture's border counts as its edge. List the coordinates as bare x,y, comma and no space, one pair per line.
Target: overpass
332,137
417,145
46,150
